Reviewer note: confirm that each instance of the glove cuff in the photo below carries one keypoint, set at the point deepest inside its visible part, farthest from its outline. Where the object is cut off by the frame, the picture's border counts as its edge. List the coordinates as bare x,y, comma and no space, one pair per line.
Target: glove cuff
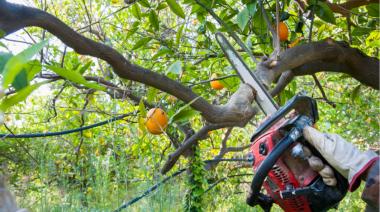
356,179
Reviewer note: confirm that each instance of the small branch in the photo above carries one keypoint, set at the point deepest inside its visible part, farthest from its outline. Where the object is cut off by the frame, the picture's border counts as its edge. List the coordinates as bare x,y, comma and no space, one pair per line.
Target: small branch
200,135
229,30
210,80
269,25
222,151
82,118
21,145
55,100
311,24
322,91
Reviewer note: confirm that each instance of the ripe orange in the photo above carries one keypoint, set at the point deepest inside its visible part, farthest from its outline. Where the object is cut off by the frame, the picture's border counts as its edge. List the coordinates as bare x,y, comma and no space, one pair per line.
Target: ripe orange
215,84
283,31
156,121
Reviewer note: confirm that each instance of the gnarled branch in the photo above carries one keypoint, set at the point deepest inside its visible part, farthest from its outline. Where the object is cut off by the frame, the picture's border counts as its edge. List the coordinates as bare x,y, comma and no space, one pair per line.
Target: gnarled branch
327,55
14,17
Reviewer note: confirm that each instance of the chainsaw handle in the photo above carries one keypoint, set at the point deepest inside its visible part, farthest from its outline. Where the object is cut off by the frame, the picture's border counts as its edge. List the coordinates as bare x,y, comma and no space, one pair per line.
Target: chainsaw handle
302,104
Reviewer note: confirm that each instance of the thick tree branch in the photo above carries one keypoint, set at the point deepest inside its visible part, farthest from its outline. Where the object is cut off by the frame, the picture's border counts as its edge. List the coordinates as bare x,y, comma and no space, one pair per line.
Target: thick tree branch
14,17
344,8
327,55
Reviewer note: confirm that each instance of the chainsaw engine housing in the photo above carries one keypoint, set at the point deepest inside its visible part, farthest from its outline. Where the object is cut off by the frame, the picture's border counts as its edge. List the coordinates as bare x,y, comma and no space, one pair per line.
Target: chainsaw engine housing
291,183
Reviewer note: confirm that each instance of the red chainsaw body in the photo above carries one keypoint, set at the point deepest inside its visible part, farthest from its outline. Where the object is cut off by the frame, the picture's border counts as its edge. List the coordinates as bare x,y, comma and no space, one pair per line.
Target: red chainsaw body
287,171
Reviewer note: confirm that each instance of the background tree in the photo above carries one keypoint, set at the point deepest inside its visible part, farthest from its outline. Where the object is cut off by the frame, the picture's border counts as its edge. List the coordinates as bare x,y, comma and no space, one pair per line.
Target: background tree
92,60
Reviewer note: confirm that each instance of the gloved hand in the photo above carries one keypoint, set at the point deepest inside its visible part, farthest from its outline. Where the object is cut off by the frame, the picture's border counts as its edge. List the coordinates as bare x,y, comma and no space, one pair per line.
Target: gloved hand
342,155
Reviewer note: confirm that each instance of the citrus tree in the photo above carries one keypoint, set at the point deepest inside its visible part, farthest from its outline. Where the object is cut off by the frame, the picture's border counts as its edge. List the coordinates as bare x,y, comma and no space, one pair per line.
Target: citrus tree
101,99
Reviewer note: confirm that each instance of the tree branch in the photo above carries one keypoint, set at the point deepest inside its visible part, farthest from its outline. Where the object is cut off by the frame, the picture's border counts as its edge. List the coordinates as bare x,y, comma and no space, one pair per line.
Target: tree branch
14,17
327,55
344,8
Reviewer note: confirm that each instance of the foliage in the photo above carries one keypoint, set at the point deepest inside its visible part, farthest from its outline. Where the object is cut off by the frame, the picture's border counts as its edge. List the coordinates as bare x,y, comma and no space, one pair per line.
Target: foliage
101,168
196,183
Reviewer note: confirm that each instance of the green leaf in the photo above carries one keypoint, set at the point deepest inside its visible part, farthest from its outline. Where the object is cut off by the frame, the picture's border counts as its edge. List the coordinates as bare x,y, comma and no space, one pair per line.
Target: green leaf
21,80
162,51
252,8
175,8
243,18
32,68
15,64
210,26
134,29
358,31
184,115
173,118
84,68
161,6
153,19
151,94
19,96
4,57
141,43
374,43
142,109
323,11
373,10
144,3
179,34
175,68
258,22
75,77
142,115
136,12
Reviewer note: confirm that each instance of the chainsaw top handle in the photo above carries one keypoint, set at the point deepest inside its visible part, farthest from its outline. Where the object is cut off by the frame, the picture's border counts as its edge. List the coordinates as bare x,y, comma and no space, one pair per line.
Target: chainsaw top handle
303,105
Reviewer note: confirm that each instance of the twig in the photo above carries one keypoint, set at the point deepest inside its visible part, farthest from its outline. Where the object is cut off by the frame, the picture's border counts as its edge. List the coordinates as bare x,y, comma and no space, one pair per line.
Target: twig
222,151
77,150
200,135
229,30
312,23
210,80
54,101
224,179
22,146
151,189
277,38
322,91
269,25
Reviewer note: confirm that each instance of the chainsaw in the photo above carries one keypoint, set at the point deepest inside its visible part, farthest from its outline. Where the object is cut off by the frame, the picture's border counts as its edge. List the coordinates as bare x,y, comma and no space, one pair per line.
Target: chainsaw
277,150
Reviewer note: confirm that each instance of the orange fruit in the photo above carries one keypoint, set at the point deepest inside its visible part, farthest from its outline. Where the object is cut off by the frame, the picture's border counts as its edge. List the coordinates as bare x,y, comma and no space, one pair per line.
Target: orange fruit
283,31
156,121
215,84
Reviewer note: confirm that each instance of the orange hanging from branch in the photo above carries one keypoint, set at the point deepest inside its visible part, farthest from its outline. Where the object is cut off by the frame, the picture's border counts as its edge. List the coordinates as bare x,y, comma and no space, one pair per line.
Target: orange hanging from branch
216,84
156,121
283,32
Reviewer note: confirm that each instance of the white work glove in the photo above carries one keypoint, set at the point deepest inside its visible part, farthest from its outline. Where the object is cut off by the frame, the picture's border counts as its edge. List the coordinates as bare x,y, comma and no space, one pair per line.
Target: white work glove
342,155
